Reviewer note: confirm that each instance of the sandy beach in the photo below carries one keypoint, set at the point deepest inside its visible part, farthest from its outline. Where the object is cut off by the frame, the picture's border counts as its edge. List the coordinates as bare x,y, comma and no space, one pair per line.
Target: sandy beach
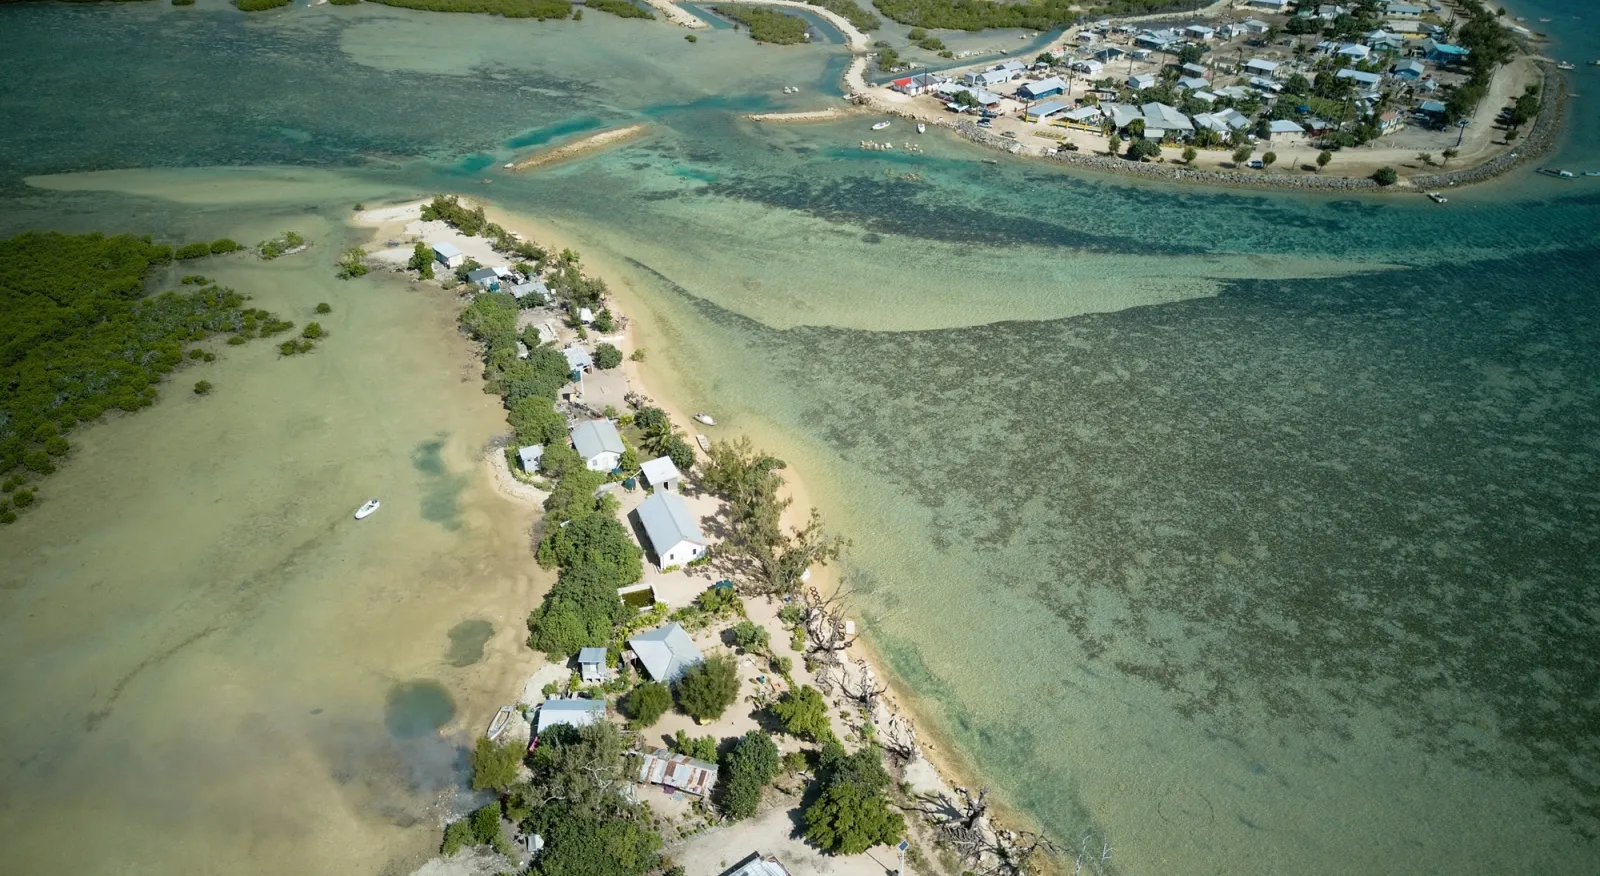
821,115
588,144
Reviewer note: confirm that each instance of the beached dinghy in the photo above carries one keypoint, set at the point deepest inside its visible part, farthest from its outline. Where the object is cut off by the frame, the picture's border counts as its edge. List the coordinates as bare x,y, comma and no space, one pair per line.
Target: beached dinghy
704,418
366,510
502,718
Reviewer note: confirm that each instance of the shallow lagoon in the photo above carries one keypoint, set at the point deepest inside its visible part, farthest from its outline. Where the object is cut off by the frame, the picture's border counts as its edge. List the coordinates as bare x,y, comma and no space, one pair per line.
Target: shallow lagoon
1251,529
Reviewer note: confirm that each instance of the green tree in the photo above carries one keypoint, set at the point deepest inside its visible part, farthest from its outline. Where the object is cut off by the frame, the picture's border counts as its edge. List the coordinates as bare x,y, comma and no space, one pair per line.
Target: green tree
353,263
1189,154
1385,176
803,713
1135,129
1141,149
494,766
1268,159
751,637
193,251
596,542
851,815
708,688
580,610
604,321
645,704
679,451
1449,153
201,387
607,357
1323,158
698,747
1241,155
536,421
312,331
746,771
422,261
457,836
1190,54
324,307
224,245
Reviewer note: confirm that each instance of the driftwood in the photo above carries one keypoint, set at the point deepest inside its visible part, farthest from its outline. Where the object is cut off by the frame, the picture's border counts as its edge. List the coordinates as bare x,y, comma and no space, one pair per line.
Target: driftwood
987,851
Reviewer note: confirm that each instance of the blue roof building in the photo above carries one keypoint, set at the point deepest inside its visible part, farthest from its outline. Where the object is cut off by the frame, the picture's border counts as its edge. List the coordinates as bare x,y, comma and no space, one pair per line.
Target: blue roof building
1043,88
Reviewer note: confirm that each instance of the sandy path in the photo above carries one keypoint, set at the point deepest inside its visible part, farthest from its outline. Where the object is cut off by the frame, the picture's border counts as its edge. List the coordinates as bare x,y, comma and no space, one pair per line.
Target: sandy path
579,147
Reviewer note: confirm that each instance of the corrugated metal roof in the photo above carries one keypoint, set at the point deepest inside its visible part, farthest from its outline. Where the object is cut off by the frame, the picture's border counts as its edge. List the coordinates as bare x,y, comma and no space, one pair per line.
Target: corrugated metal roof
594,437
665,652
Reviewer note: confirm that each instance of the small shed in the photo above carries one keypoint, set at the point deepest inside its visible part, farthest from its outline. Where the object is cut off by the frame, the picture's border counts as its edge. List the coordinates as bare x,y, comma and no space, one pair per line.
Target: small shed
1141,81
1262,66
680,771
585,315
661,473
592,666
529,457
448,255
484,278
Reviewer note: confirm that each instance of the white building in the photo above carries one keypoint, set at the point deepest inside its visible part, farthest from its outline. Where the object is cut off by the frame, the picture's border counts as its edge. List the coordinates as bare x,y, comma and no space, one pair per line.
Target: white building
448,255
592,666
529,457
661,473
573,713
674,537
598,443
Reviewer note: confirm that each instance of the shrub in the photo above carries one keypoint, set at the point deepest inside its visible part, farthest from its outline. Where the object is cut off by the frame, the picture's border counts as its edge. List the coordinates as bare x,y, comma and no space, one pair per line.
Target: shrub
638,355
709,688
494,767
803,713
645,704
201,387
259,5
353,263
689,37
22,498
182,2
312,331
746,771
607,357
603,321
698,747
1385,176
457,836
323,307
194,251
751,636
224,245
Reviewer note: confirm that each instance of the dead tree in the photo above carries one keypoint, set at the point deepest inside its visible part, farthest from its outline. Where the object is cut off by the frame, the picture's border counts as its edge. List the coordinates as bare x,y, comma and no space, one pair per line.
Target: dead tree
985,850
825,626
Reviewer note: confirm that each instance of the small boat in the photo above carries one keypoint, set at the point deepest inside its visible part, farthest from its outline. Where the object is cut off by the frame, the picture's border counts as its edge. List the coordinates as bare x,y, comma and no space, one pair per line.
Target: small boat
990,161
1591,173
502,718
366,510
704,418
509,165
1437,198
880,126
704,442
1566,65
922,128
1559,174
1595,63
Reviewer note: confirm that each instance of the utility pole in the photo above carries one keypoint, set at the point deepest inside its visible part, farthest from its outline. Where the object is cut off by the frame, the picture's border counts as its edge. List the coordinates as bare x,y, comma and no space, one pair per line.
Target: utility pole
902,847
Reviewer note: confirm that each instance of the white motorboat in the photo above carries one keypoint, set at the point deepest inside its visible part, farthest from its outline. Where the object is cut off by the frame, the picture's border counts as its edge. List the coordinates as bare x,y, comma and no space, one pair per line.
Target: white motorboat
880,126
922,128
1566,65
498,725
1437,198
704,418
367,510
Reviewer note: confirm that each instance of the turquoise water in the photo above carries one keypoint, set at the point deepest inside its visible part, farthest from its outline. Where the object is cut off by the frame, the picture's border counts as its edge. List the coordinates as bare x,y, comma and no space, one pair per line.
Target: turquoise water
1253,530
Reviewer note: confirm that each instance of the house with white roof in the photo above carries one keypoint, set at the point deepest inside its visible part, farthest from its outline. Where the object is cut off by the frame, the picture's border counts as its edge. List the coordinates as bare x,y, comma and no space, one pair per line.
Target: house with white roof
1204,96
680,771
529,457
1355,51
1253,26
1161,121
448,255
598,443
1193,83
1261,66
1283,129
578,360
757,865
1402,10
1268,5
1142,81
1223,121
1358,76
670,528
534,287
1083,115
1044,110
1087,38
1123,115
661,473
572,713
665,652
1199,32
1088,67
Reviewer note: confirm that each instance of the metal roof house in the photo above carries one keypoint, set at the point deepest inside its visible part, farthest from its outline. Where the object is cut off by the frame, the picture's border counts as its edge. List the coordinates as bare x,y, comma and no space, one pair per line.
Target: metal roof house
534,286
674,537
1040,112
1193,83
1285,128
1199,32
1359,76
484,278
661,473
448,255
1141,81
1123,115
577,358
665,652
1354,50
757,865
661,767
598,443
592,665
1165,119
1083,115
1261,65
573,713
1412,70
529,457
1043,88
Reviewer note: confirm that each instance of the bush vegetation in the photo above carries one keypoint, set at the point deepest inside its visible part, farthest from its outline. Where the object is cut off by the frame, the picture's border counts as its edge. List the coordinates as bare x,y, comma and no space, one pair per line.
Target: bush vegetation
353,263
708,688
802,712
749,480
645,704
746,771
540,9
607,357
620,8
851,815
494,766
975,15
698,747
260,5
79,335
766,25
277,246
852,11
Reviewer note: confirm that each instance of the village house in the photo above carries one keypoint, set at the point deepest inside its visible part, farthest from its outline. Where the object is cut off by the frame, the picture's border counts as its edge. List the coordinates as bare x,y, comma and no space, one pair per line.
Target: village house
988,78
1043,111
1141,81
1204,96
677,771
1384,41
1043,88
915,85
757,865
1193,70
1354,51
1123,115
1281,130
1161,121
665,653
1193,83
529,457
448,255
1083,117
674,537
1253,27
661,473
1223,121
1087,38
1089,67
484,278
1442,53
592,666
598,443
534,287
578,360
1264,84
572,713
1199,32
1268,5
1402,10
1410,71
1363,78
1261,66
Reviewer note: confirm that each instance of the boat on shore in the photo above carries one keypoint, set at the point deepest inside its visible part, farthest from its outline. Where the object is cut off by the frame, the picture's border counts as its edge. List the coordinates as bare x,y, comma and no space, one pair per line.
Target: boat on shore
1437,198
704,442
502,719
880,126
367,509
705,418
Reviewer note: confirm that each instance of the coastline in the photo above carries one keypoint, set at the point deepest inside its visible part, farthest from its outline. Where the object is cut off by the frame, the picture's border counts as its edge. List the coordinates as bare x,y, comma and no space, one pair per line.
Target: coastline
939,767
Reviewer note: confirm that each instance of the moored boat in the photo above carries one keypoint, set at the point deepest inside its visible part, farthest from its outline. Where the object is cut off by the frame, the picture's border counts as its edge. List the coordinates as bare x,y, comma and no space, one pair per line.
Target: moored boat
922,128
1566,65
704,418
501,720
1437,198
367,509
880,126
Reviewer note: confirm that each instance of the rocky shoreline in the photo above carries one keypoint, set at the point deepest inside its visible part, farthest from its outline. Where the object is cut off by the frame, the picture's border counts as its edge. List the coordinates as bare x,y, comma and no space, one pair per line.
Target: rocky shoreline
1540,139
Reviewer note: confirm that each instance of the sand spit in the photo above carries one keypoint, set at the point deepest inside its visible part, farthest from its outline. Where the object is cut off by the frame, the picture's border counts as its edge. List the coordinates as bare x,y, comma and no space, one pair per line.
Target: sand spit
580,147
821,115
